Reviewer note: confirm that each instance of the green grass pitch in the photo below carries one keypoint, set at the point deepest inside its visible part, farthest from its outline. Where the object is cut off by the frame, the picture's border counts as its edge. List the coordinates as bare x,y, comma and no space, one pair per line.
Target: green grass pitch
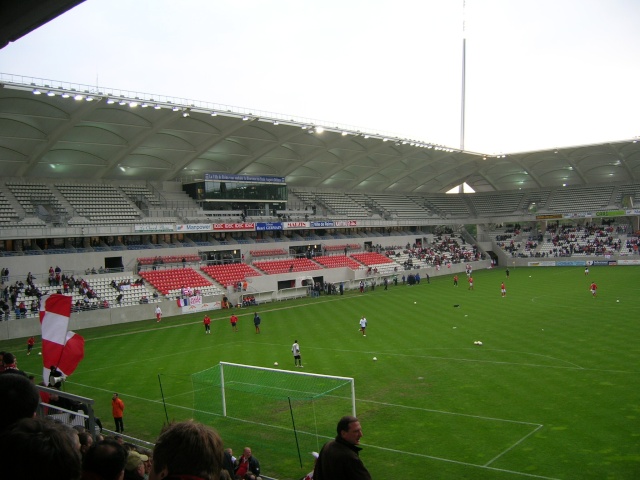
553,392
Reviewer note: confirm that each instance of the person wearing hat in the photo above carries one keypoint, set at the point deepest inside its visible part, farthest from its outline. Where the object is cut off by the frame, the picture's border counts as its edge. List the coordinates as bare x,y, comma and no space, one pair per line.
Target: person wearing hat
309,476
134,468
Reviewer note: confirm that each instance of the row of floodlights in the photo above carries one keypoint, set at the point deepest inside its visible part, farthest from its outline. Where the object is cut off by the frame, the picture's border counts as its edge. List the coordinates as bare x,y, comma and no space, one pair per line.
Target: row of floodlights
65,94
185,111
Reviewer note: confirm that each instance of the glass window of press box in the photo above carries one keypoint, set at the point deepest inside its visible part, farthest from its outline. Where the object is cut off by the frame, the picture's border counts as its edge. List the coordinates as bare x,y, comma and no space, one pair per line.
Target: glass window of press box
230,191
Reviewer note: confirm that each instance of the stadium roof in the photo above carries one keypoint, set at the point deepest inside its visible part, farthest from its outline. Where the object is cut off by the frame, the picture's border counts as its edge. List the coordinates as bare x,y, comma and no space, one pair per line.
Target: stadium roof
18,18
116,135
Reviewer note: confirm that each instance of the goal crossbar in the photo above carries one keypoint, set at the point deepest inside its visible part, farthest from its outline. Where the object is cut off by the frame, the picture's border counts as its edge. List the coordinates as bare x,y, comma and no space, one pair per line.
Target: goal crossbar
348,380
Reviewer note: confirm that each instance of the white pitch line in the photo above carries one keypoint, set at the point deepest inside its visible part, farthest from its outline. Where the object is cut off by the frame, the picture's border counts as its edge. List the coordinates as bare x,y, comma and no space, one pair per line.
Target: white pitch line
513,446
479,417
457,462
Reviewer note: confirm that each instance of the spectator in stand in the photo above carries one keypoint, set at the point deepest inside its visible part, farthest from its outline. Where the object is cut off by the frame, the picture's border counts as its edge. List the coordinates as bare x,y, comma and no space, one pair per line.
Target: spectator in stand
105,460
86,441
187,450
134,467
229,462
10,365
22,310
19,398
309,476
51,449
247,466
339,459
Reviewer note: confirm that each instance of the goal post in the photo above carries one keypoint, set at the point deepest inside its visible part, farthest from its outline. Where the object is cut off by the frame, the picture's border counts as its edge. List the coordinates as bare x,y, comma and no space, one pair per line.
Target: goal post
312,385
289,411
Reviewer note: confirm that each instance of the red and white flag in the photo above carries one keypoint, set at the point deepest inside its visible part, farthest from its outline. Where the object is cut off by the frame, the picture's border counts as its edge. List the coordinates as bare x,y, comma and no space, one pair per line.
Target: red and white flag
60,347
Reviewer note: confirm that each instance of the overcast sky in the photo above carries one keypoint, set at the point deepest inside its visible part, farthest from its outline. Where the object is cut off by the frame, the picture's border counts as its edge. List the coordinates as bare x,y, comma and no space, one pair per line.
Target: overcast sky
539,73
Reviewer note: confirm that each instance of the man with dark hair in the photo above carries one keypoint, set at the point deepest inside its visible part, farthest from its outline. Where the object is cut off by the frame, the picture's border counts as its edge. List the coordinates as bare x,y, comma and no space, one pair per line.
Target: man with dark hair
339,459
10,363
187,449
86,441
105,460
51,450
19,398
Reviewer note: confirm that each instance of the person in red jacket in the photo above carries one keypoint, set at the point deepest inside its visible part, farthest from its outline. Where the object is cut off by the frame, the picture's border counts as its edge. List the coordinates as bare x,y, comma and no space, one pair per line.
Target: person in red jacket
117,408
207,324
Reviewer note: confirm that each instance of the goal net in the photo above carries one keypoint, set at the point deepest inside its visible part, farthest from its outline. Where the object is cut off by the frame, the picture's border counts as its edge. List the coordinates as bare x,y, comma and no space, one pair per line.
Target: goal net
277,407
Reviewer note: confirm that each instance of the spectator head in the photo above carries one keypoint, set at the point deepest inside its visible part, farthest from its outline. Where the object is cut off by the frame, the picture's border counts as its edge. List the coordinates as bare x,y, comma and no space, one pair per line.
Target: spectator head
135,463
349,429
187,448
8,359
19,398
52,450
105,459
86,441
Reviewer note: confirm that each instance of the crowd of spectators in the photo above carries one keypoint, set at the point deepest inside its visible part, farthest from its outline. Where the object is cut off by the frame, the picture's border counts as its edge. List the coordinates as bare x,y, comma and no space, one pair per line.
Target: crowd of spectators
567,240
445,249
63,452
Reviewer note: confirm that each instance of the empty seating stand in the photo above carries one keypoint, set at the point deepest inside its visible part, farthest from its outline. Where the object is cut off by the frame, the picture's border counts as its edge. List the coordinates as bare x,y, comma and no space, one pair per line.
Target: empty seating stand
30,195
283,266
137,193
99,203
350,247
231,273
337,261
167,261
170,282
7,212
274,252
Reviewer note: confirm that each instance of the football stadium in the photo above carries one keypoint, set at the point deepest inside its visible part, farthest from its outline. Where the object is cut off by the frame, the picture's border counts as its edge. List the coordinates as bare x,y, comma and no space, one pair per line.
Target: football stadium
501,323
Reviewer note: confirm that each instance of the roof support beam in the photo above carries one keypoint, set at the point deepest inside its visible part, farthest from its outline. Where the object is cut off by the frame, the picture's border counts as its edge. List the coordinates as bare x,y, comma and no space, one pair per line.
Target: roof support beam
54,137
175,171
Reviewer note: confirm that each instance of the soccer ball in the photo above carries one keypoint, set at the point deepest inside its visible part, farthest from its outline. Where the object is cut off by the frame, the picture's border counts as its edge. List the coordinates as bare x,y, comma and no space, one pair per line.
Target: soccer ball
275,364
617,301
479,342
39,353
415,303
375,359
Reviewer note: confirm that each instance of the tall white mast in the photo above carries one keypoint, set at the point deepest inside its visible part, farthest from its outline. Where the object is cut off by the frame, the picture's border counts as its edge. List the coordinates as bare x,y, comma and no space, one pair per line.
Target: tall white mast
464,62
